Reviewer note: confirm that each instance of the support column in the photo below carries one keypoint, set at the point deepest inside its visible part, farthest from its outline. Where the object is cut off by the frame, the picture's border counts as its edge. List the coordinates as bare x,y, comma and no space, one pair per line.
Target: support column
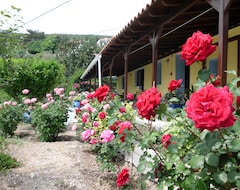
110,73
99,71
154,42
222,6
126,56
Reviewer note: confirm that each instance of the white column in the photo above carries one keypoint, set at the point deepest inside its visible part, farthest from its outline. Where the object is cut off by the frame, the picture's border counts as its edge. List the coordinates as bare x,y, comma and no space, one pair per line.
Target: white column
99,71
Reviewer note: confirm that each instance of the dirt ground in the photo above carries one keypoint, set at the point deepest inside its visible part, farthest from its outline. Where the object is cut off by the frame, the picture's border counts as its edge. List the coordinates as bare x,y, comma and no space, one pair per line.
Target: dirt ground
66,164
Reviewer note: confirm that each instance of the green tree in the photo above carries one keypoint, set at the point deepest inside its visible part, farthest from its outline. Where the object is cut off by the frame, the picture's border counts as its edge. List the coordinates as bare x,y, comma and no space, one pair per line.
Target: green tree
76,53
38,75
10,22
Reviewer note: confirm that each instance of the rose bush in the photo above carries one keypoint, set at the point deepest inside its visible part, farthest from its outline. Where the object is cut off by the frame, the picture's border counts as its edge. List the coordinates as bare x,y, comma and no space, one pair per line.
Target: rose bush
48,117
10,117
197,148
106,122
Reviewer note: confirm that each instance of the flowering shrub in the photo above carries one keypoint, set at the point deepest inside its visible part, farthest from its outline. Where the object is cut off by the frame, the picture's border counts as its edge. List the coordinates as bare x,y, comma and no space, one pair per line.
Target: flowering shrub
48,118
199,147
106,123
10,117
174,96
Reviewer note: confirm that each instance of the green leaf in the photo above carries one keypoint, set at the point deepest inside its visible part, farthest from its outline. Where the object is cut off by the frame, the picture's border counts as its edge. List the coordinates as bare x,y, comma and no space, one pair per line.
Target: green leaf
197,161
212,159
204,74
234,146
141,168
201,185
233,72
220,177
233,176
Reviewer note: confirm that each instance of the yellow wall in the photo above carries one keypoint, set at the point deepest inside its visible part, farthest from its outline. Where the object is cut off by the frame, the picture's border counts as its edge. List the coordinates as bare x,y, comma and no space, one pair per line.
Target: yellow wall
169,68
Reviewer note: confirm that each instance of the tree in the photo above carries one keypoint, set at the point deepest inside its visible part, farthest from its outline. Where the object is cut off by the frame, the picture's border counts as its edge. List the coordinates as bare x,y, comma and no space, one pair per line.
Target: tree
38,75
76,53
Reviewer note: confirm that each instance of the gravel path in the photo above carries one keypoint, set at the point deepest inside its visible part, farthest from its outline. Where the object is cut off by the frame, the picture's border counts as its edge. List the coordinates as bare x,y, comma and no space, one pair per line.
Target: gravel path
66,164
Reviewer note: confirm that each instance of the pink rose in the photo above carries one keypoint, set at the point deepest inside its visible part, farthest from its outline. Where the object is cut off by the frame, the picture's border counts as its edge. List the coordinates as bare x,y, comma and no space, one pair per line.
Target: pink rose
74,127
44,106
14,103
106,107
33,100
25,91
48,95
27,101
86,134
72,93
107,136
197,48
95,124
211,108
85,114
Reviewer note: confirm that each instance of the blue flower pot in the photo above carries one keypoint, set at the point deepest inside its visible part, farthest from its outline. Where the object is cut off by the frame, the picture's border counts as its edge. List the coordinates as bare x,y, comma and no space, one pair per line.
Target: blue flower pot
76,104
174,106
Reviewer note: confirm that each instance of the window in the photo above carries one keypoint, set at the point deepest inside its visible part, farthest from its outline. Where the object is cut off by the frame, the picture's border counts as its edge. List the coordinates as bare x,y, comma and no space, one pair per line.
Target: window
159,72
213,66
139,78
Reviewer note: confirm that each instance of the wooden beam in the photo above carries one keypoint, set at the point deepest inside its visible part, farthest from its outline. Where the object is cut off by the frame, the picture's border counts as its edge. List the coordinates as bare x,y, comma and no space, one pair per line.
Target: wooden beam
126,54
222,6
154,42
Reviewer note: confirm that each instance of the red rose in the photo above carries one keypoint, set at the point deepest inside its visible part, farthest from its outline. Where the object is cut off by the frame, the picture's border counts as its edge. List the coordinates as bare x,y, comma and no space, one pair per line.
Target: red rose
101,93
84,119
126,125
130,96
114,126
197,48
166,140
102,115
147,102
215,80
174,84
123,177
211,108
122,109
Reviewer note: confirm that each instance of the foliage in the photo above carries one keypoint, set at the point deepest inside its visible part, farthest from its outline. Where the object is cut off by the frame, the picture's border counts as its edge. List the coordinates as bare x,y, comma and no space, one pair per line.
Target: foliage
74,78
9,41
197,147
38,75
10,117
7,162
76,53
48,118
103,114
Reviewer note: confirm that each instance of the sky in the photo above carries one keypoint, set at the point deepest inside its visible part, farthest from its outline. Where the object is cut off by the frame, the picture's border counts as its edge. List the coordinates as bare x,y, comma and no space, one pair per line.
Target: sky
97,17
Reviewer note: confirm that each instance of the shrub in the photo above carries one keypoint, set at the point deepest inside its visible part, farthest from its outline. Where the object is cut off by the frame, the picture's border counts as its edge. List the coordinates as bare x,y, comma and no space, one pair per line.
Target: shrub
48,119
7,162
38,75
10,117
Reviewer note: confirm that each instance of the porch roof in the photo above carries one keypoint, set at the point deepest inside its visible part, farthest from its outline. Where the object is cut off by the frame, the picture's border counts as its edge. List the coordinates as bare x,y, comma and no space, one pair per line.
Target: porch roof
178,19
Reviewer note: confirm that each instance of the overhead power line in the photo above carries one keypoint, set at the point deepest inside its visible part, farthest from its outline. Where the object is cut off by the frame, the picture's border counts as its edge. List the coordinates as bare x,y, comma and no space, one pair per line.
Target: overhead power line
46,12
